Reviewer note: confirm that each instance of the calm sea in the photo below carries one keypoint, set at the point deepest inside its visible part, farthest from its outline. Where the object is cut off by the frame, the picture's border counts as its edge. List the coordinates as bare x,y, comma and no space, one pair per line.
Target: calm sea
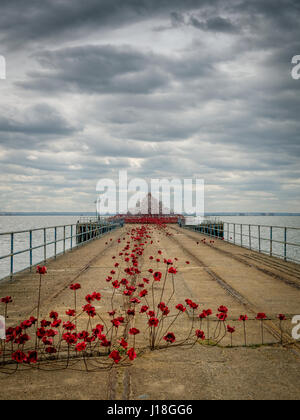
21,241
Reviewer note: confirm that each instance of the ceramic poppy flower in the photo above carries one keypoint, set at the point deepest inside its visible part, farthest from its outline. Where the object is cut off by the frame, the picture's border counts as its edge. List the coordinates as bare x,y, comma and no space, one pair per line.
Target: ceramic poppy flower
90,310
144,309
200,334
19,356
153,322
26,324
56,323
135,300
131,312
180,307
281,317
231,330
45,323
6,299
169,338
96,295
222,316
172,270
53,315
243,318
70,338
75,286
157,276
143,293
134,331
41,270
115,322
50,350
261,315
115,356
69,326
123,343
131,354
32,356
223,309
80,346
71,312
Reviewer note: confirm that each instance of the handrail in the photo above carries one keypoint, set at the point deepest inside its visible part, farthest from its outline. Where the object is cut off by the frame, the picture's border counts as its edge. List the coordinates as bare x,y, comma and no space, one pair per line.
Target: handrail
242,235
92,231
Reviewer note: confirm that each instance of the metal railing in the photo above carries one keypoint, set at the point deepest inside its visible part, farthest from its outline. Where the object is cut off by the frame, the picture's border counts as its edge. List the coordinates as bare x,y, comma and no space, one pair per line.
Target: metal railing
47,242
277,241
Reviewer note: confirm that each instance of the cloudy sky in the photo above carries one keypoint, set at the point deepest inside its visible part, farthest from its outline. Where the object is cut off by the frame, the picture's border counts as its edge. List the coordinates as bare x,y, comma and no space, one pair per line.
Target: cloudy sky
161,88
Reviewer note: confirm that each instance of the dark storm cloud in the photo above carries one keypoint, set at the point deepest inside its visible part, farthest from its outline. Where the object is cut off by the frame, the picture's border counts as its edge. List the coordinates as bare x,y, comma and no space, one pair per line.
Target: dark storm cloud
34,21
97,69
30,127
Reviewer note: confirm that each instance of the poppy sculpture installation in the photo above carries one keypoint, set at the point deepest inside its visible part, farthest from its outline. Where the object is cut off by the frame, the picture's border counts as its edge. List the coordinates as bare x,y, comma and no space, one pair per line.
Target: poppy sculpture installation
143,315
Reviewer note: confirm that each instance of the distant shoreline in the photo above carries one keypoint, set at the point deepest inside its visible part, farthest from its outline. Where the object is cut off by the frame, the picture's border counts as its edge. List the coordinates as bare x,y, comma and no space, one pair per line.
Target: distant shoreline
93,214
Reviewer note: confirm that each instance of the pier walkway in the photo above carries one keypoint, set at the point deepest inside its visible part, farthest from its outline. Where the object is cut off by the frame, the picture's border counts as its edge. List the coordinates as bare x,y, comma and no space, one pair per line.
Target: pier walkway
217,273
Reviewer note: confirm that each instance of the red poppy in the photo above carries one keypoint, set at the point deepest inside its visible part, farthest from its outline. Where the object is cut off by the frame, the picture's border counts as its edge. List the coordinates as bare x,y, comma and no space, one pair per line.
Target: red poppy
131,312
41,270
135,300
80,346
123,343
83,335
243,318
47,341
53,315
157,276
169,338
153,322
282,317
115,322
200,334
40,332
115,355
144,308
116,284
180,307
56,323
69,326
45,323
26,324
71,312
70,338
222,316
96,295
75,286
261,315
90,310
32,357
223,309
19,356
134,331
231,330
6,299
131,354
172,270
161,306
50,350
51,333
112,313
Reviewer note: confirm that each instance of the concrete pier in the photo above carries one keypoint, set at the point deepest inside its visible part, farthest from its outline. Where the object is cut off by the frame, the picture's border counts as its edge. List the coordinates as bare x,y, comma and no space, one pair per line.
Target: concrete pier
218,273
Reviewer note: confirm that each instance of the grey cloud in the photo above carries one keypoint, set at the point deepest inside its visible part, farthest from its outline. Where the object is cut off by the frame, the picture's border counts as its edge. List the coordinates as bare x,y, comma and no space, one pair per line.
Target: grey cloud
97,69
41,119
215,24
